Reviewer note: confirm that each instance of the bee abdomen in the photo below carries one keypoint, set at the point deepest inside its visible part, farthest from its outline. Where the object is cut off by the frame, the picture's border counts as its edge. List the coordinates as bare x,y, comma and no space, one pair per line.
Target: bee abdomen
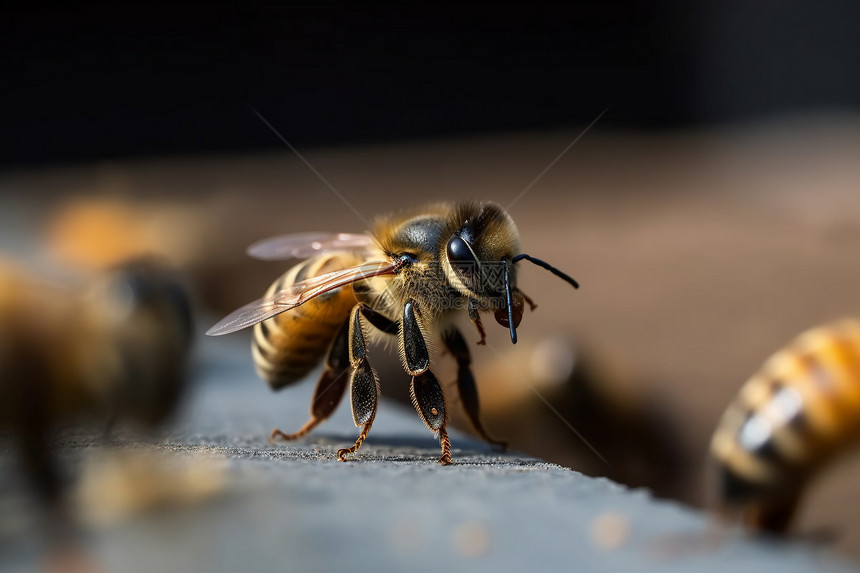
288,346
801,408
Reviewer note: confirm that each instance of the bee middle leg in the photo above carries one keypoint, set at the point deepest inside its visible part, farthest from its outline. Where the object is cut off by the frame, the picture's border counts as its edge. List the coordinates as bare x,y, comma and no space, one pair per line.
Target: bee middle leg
456,345
426,393
330,387
363,382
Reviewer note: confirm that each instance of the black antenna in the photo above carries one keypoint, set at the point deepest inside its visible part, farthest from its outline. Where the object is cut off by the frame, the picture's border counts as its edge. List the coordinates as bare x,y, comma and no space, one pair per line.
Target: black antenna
543,264
509,301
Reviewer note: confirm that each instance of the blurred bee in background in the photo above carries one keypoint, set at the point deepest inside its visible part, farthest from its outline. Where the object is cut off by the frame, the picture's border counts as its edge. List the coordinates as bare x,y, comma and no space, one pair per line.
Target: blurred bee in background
409,278
115,352
801,410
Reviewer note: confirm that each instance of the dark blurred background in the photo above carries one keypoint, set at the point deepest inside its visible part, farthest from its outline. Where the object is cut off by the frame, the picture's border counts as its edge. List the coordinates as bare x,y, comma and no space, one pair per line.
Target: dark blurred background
111,80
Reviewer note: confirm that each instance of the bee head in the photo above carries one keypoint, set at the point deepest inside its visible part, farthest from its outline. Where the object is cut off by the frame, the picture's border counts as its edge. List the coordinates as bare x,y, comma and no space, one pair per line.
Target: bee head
474,256
479,261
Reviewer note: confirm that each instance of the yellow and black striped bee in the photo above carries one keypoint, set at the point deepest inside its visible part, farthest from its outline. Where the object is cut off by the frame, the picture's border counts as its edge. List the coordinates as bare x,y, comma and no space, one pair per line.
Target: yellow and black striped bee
408,277
797,413
114,351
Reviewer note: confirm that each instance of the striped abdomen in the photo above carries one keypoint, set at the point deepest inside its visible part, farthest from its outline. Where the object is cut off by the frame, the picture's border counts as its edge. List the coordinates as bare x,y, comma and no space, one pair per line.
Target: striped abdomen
801,408
288,346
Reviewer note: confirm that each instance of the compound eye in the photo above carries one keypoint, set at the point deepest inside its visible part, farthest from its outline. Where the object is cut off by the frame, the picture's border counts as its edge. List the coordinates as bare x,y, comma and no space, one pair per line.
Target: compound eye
461,256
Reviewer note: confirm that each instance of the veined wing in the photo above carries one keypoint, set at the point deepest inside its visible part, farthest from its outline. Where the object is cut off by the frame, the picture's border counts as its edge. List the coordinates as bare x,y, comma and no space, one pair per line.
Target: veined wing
305,245
298,294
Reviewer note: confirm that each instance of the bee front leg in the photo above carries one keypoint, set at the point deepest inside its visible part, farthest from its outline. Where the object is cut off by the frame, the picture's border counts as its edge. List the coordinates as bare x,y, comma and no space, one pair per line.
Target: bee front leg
476,320
363,383
429,401
528,299
330,387
456,345
426,393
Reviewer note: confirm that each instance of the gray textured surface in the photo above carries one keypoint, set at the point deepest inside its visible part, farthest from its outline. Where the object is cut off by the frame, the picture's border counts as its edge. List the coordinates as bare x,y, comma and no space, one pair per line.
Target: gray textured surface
294,508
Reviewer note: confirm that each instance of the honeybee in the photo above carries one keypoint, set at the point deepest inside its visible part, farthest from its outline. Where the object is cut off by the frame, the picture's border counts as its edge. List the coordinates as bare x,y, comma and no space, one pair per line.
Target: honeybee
798,412
115,351
409,277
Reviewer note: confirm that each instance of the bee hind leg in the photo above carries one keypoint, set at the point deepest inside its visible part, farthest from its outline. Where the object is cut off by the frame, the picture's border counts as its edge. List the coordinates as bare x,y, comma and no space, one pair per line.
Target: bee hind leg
363,382
330,387
456,345
329,391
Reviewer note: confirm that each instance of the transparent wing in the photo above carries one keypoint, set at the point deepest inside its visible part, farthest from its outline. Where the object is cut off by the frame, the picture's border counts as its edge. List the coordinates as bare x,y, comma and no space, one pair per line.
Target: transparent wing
305,245
298,294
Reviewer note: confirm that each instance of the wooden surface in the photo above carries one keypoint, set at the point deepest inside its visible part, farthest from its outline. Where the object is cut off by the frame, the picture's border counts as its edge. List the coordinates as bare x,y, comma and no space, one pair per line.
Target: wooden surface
212,494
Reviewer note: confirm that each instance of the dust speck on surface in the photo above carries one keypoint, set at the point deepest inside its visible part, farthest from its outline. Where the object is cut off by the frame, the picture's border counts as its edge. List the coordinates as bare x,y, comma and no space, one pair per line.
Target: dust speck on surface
472,539
609,531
